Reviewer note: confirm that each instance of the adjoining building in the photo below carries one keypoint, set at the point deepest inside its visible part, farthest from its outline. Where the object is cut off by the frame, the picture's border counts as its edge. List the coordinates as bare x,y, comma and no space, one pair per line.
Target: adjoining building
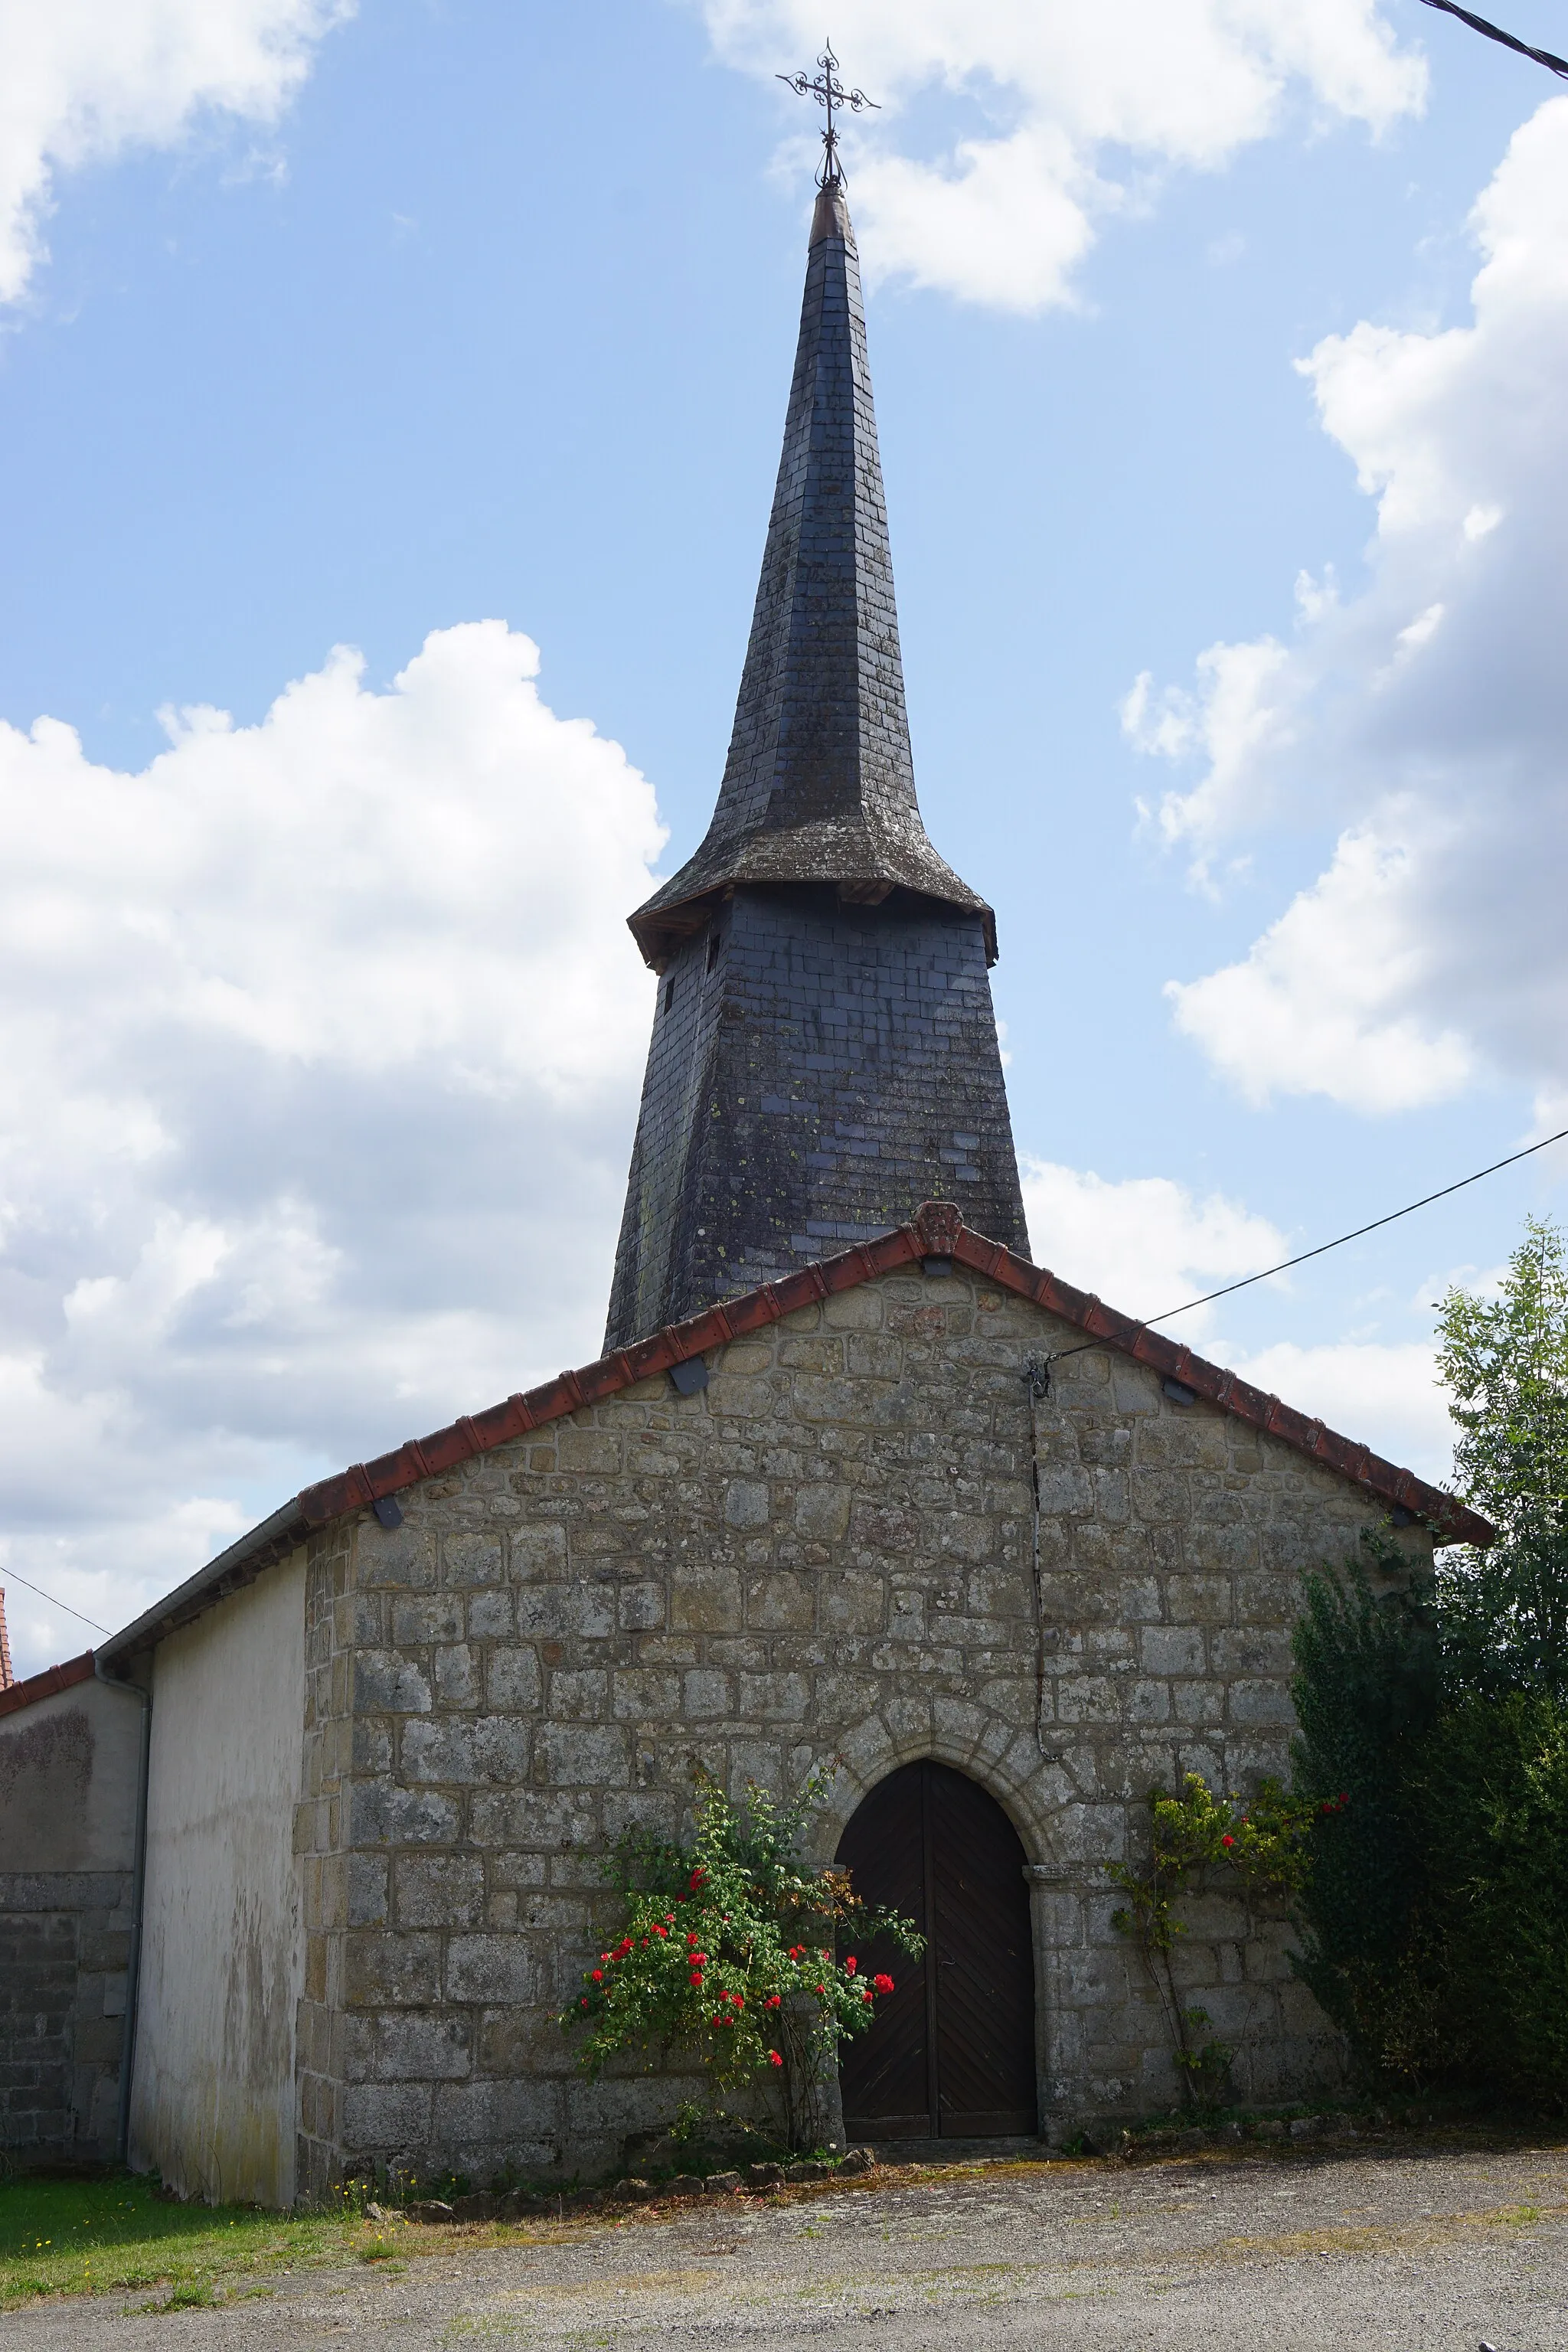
854,1480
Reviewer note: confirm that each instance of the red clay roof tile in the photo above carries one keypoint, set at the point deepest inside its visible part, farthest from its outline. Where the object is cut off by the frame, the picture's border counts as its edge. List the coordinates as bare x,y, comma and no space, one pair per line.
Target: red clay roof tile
44,1684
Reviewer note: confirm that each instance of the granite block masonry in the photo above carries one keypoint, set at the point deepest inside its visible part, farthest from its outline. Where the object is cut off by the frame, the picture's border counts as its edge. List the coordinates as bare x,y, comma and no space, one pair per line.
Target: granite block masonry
825,1553
68,1780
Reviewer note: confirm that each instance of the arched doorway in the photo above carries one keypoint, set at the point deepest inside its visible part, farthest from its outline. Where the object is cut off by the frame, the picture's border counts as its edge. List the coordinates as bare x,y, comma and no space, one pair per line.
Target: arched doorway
951,2054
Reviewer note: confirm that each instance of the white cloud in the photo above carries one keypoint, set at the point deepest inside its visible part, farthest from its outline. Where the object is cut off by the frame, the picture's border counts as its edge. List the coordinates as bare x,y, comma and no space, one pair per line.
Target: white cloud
1323,1001
1071,92
1425,718
319,1044
1143,1244
87,79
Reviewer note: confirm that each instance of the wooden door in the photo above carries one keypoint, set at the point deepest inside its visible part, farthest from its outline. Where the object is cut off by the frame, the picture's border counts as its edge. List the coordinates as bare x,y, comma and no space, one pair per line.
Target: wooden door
951,2054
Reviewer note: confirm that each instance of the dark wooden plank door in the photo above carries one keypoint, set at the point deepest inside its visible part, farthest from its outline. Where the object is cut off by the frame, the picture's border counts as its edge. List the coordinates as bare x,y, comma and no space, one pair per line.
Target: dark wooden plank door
953,2051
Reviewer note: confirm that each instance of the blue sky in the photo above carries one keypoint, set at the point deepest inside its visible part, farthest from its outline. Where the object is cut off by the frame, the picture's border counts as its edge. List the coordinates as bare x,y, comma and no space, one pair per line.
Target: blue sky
339,329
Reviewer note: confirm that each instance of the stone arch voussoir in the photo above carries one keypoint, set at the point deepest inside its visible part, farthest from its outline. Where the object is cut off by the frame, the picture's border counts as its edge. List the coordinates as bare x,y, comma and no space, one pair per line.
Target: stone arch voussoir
1007,1766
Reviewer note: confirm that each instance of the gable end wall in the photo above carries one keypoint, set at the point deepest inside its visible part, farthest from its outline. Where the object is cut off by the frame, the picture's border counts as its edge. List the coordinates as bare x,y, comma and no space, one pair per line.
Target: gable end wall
826,1554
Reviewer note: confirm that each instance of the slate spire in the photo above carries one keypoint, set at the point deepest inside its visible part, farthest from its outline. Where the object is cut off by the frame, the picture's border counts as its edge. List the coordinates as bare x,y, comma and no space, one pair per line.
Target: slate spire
819,785
825,1054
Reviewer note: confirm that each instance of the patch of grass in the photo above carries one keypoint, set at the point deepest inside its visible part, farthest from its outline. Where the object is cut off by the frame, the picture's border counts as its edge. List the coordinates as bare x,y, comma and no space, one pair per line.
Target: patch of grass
112,2231
197,2297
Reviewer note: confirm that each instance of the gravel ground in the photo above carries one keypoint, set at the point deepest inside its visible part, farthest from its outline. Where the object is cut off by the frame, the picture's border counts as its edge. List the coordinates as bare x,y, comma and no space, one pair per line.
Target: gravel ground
1383,2247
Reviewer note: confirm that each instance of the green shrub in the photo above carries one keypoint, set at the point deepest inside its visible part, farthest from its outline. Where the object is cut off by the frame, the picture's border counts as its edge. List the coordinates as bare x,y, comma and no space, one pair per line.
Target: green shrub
1490,1792
1366,1693
1433,1736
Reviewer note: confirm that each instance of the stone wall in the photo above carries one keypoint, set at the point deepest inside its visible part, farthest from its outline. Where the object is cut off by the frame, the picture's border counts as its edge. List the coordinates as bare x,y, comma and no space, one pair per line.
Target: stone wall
64,1936
68,1812
826,1554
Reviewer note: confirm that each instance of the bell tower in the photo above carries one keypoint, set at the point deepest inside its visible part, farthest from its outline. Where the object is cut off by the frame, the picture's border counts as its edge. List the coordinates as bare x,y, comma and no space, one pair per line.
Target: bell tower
824,1054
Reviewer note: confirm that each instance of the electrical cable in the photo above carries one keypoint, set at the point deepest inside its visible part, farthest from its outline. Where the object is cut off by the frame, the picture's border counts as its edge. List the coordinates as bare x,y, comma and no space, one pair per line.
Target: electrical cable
1495,33
1392,1219
10,1575
1147,1322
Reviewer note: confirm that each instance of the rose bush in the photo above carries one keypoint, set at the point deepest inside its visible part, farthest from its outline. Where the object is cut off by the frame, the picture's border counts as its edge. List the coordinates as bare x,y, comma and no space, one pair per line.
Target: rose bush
728,1953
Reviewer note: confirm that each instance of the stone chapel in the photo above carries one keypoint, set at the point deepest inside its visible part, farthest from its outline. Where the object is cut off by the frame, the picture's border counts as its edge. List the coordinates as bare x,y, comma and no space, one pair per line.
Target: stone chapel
297,1871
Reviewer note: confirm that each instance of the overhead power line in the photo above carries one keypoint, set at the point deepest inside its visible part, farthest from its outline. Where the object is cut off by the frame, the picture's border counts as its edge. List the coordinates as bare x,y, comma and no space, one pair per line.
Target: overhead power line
9,1576
1392,1219
1495,33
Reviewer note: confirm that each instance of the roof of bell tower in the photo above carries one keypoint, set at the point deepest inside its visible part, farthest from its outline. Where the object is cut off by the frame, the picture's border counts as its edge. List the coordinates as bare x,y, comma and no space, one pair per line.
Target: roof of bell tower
820,784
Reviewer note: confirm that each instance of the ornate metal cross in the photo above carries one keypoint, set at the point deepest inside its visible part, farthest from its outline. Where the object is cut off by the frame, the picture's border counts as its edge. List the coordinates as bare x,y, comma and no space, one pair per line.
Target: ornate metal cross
828,91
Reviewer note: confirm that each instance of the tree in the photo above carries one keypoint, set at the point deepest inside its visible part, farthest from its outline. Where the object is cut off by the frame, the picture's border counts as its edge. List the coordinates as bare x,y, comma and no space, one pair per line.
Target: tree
730,1953
1505,1362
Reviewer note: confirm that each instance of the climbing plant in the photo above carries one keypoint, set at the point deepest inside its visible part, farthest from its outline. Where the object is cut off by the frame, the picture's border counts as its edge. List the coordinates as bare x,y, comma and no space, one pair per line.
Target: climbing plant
1259,1848
730,1953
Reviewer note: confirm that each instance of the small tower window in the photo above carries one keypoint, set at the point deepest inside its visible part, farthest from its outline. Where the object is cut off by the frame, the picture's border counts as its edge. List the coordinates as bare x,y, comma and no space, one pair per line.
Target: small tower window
669,993
712,950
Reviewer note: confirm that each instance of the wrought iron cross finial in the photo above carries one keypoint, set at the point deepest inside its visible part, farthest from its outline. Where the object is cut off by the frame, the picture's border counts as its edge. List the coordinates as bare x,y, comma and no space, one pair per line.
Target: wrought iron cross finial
830,92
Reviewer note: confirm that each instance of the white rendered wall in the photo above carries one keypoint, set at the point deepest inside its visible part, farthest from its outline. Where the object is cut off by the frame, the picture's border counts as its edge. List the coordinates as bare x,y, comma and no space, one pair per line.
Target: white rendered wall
212,2103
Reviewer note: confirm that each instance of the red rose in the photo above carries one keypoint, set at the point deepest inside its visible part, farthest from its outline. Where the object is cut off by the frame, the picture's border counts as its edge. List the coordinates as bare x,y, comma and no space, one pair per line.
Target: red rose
775,2001
821,1988
773,2058
883,1984
1228,1840
849,1965
598,1976
697,1878
697,1977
